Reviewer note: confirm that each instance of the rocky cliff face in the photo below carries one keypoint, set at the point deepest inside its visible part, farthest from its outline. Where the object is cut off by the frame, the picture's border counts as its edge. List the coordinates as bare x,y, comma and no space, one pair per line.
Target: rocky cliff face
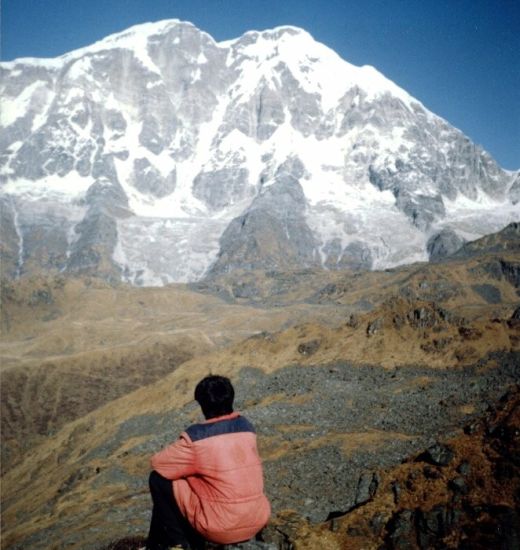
159,155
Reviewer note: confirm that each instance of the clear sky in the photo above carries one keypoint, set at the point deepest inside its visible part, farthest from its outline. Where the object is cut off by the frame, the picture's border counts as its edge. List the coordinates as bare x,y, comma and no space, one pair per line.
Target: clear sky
460,58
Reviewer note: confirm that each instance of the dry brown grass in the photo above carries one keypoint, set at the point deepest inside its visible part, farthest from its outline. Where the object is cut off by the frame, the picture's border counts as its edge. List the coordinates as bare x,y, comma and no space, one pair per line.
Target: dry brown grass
93,335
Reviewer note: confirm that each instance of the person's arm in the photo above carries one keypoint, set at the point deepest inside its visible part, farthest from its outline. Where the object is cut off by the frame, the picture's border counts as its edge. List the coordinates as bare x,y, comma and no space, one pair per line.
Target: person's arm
177,460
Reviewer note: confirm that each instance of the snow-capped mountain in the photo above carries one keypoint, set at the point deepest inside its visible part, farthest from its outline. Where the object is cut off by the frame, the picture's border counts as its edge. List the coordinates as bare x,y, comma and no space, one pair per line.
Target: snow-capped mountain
159,155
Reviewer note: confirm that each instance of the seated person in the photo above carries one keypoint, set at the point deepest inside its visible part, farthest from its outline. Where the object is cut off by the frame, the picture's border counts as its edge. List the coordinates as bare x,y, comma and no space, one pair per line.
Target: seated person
208,485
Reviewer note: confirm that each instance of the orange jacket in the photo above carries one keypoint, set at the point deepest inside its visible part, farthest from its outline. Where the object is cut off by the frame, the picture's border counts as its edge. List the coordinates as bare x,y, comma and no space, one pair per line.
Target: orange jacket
217,478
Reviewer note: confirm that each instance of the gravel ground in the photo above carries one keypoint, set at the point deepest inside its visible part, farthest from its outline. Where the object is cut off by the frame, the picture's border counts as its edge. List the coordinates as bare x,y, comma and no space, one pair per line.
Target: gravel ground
305,417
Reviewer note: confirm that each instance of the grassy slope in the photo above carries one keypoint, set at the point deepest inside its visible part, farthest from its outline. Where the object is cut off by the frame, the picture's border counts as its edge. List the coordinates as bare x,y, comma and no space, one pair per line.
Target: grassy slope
70,346
116,322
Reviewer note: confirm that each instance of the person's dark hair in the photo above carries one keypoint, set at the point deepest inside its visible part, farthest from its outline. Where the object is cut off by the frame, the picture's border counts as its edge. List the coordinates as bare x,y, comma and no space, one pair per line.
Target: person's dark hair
215,396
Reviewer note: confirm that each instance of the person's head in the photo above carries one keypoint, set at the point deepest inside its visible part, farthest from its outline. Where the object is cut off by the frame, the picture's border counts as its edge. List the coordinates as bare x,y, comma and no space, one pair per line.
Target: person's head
215,396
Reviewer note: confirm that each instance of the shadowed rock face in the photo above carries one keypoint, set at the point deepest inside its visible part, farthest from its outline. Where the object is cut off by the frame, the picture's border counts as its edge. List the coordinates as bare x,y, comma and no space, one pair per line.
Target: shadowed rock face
514,191
9,246
223,187
148,179
166,116
35,237
272,233
443,244
96,235
356,255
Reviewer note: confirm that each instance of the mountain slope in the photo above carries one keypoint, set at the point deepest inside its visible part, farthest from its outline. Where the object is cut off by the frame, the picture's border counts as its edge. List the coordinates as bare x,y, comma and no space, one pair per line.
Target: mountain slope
159,155
345,376
69,346
322,427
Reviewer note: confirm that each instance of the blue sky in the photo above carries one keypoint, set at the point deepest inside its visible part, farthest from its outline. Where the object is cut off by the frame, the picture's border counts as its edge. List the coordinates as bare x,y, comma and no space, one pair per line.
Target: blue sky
461,58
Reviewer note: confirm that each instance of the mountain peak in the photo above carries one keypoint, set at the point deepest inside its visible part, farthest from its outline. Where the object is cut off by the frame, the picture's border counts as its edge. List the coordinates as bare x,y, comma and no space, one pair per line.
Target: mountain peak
129,38
147,157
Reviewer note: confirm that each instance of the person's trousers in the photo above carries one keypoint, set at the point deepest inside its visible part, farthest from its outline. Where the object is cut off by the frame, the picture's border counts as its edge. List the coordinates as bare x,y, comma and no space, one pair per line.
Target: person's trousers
168,527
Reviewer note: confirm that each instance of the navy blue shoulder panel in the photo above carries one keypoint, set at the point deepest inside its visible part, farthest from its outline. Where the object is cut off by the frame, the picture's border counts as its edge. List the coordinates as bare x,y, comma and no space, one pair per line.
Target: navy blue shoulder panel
220,427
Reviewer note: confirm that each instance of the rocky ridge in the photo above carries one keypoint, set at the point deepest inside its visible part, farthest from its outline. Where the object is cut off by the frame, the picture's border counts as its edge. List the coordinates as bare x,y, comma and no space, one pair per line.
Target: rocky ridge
461,492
